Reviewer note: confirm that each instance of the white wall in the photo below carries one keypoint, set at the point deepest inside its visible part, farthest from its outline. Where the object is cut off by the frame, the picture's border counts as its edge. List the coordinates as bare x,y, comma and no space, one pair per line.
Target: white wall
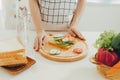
98,17
1,15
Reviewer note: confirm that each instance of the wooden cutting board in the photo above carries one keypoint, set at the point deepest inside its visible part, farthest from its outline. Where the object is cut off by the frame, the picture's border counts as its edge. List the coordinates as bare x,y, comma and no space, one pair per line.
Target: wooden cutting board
65,55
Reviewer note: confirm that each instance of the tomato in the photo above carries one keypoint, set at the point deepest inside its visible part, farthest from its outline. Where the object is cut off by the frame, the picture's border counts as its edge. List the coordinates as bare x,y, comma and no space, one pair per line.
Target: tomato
106,57
50,34
77,50
101,55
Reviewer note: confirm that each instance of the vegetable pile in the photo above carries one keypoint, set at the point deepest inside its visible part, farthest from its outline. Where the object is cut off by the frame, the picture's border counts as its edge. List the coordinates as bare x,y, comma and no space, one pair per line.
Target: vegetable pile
108,45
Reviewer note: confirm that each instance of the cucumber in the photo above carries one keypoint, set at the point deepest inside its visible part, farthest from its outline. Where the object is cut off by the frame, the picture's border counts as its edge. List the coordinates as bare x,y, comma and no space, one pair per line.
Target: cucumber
116,44
55,52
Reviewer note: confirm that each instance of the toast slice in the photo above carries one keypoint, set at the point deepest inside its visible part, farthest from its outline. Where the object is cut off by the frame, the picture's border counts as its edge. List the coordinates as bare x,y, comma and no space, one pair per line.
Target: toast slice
12,52
12,59
19,68
63,42
52,42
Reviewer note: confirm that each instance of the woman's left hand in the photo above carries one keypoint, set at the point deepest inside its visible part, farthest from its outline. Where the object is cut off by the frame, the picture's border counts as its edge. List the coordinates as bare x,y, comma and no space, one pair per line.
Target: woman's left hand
75,33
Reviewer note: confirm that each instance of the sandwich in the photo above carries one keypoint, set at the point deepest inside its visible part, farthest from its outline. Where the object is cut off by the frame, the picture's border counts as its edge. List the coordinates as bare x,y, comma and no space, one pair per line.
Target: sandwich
12,53
62,41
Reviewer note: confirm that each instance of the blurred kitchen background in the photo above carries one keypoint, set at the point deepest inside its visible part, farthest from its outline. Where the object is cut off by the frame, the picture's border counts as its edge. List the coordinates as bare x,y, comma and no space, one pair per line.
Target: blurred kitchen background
98,15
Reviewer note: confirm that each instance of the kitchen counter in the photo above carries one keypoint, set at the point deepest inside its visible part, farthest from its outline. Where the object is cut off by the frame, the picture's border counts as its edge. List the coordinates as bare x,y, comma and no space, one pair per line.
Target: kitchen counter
45,69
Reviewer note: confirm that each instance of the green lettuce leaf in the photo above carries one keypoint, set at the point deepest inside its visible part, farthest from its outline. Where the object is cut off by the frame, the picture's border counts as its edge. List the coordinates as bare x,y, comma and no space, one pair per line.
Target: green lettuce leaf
105,39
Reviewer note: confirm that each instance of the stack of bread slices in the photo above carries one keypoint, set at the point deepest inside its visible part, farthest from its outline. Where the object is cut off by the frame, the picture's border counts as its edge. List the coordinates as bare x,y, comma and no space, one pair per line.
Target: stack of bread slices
12,52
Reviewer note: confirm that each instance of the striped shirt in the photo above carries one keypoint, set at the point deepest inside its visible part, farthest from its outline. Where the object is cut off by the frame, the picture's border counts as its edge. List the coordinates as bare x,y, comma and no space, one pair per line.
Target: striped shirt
57,11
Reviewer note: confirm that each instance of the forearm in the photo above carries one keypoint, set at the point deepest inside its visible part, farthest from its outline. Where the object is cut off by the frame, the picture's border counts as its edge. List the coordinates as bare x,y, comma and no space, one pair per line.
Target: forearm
77,13
36,16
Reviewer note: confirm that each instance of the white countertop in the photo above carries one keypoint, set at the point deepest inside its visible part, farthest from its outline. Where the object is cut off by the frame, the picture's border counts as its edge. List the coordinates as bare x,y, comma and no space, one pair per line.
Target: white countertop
45,69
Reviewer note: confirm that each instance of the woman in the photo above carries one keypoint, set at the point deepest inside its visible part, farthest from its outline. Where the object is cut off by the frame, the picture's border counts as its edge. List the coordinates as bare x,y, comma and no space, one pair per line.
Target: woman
55,15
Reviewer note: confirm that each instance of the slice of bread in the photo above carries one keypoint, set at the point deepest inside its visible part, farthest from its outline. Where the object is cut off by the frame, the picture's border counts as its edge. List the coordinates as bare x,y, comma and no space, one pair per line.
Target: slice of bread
12,52
12,59
52,42
19,68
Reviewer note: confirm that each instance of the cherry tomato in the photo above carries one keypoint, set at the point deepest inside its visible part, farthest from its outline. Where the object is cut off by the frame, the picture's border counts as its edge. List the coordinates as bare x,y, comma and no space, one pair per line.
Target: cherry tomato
77,50
50,34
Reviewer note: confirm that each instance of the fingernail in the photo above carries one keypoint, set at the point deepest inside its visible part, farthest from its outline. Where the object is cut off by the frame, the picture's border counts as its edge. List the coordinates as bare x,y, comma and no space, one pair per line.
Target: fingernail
34,47
42,44
37,50
83,38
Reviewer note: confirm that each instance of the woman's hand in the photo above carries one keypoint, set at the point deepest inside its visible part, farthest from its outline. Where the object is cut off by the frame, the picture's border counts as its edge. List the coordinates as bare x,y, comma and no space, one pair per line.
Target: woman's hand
40,40
75,33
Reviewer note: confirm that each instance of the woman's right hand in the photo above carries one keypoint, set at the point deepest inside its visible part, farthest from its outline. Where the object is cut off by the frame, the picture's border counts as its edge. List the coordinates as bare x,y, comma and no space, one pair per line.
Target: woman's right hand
40,40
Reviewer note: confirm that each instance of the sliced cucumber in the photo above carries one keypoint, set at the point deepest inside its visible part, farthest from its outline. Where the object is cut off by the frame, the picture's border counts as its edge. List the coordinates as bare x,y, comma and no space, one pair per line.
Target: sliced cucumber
65,39
58,52
55,52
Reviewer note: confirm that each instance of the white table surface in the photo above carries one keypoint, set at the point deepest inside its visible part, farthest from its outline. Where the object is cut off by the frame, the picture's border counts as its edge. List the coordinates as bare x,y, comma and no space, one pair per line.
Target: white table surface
45,69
